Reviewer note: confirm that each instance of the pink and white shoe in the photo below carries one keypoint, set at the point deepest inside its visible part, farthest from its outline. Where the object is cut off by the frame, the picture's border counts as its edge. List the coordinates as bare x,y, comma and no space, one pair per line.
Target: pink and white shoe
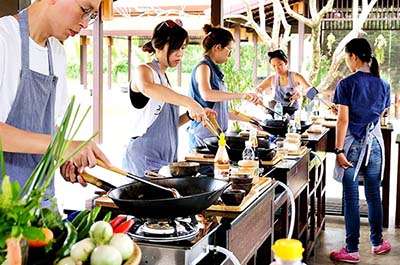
344,256
382,249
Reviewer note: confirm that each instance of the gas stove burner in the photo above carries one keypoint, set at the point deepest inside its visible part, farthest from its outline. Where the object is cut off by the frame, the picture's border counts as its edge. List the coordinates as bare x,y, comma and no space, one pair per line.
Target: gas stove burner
155,230
154,227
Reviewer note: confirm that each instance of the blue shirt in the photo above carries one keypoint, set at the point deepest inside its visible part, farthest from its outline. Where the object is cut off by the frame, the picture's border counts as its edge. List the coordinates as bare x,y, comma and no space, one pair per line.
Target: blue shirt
215,79
366,96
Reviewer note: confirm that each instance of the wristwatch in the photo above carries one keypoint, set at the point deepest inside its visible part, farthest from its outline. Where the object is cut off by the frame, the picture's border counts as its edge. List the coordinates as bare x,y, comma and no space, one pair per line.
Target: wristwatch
338,151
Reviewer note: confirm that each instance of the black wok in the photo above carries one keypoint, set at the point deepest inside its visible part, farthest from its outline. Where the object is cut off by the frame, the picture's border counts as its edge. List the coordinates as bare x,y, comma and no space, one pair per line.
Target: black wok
237,144
279,127
143,200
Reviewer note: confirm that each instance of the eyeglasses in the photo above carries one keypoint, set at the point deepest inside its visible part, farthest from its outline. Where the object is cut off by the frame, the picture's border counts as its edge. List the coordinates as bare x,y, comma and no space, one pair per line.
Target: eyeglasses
88,14
229,51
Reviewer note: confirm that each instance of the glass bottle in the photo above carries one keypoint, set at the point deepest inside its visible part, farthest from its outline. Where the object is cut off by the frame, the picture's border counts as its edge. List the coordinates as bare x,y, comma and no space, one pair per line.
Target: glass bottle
221,160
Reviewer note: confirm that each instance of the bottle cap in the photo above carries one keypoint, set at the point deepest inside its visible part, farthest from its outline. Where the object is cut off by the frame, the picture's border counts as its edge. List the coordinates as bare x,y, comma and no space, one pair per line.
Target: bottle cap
288,249
222,140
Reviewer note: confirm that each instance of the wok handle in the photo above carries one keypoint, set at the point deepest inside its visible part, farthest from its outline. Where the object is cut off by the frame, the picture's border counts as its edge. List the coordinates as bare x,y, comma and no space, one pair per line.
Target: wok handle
245,117
111,168
132,176
96,182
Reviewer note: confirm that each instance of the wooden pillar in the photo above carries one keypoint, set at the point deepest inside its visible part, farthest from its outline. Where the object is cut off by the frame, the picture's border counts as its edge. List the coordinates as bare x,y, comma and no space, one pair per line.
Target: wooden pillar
237,47
301,38
129,57
217,13
255,61
109,43
98,79
84,41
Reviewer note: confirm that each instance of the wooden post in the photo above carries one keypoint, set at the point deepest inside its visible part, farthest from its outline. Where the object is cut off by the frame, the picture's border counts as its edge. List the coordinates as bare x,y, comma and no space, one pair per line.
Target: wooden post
84,41
255,61
98,79
217,14
129,58
107,10
237,47
109,43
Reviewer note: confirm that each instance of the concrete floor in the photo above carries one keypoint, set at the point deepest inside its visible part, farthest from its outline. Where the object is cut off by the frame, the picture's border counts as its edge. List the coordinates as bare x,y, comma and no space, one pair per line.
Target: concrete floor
333,239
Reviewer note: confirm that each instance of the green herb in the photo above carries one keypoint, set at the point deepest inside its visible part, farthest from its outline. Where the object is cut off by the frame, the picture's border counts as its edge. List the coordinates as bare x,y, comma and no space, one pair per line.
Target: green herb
19,207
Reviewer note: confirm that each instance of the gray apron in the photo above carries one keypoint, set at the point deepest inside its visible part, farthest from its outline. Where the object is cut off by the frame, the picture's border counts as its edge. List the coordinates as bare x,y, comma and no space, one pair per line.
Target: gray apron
159,145
372,131
280,92
33,108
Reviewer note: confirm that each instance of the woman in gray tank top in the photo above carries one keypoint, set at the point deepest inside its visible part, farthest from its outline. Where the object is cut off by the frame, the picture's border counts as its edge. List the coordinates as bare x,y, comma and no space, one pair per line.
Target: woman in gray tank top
286,84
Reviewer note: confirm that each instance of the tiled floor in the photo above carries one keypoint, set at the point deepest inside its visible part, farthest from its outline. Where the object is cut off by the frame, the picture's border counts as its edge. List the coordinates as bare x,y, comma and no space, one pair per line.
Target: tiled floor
333,239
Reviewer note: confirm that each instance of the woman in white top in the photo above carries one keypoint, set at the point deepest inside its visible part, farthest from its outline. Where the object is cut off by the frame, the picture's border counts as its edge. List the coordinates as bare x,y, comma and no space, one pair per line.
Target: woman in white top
156,119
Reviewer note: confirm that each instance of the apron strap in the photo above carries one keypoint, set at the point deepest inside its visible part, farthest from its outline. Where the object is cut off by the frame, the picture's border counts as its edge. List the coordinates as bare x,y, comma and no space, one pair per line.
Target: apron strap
24,32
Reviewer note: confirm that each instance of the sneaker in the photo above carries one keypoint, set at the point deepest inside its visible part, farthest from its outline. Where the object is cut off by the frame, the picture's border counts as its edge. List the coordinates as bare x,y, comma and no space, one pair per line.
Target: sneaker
344,256
383,248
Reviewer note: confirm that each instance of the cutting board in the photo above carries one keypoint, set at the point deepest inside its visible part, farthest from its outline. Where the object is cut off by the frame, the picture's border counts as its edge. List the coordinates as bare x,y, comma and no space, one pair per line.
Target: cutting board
272,162
259,134
197,157
260,186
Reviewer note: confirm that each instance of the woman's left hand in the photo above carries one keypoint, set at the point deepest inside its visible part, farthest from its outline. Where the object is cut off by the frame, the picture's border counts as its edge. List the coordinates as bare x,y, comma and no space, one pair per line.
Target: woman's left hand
343,162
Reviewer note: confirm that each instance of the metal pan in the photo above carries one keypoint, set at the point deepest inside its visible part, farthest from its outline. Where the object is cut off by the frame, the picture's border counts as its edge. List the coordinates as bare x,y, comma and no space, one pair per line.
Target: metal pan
279,127
142,200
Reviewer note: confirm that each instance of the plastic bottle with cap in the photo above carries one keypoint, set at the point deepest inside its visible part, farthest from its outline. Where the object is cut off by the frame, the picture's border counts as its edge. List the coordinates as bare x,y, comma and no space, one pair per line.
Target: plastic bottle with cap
278,109
288,252
221,160
248,152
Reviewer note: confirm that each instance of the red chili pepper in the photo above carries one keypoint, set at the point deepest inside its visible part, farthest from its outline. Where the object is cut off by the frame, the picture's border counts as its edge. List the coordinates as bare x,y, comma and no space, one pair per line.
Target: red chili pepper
117,220
124,227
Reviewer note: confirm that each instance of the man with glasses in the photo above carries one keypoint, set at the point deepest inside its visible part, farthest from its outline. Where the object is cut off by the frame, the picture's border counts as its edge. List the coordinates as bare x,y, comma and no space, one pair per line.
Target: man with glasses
33,85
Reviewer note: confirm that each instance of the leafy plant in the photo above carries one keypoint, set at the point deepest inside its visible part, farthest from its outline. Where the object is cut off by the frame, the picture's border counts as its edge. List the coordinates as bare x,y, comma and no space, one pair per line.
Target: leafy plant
18,206
239,81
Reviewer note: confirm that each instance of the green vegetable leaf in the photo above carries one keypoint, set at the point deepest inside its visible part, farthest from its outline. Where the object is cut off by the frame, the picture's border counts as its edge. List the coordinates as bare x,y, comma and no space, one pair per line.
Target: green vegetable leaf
31,232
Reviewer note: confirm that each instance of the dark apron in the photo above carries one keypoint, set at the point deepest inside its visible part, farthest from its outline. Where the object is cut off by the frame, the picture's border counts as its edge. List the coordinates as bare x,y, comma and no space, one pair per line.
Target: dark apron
33,108
159,145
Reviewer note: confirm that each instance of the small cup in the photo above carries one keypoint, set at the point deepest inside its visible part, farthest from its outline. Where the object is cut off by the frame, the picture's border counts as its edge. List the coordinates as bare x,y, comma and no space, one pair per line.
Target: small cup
233,197
250,167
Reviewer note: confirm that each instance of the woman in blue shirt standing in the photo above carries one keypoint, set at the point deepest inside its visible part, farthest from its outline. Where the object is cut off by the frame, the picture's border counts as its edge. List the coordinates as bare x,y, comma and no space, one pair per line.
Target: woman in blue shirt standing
207,85
362,98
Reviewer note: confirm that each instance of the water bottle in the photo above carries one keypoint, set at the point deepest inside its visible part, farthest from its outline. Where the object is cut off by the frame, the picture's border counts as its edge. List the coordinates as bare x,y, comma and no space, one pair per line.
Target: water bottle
278,109
248,152
288,252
